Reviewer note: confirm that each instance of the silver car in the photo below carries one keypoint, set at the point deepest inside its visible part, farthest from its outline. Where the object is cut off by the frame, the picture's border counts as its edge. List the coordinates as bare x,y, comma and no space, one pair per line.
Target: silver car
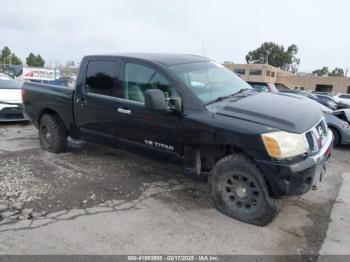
339,122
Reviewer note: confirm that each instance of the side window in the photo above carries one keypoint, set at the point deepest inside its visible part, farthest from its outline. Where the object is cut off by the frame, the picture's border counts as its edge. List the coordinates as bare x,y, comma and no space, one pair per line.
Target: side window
100,78
139,78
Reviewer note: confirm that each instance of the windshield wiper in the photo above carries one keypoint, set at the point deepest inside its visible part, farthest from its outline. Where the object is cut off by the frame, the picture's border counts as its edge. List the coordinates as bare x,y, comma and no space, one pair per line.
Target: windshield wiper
220,98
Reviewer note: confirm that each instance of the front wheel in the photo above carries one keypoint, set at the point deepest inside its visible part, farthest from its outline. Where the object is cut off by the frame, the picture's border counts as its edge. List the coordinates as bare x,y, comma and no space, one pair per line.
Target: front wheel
52,134
239,191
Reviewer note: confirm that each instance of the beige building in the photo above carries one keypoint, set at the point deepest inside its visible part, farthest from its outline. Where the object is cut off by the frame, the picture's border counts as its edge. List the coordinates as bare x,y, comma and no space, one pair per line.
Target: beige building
263,73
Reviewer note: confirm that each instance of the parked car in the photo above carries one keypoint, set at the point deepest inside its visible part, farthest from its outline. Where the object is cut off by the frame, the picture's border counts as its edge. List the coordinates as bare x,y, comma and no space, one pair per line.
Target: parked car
330,104
329,99
340,126
263,87
255,146
11,107
345,98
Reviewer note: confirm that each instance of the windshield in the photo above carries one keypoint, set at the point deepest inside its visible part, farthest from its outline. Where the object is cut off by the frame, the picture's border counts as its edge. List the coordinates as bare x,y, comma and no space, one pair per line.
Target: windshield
307,94
264,87
209,80
9,83
260,87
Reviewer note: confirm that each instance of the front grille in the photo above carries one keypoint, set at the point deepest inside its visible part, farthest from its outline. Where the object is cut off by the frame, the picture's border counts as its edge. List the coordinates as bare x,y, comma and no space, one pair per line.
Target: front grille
321,128
310,140
12,113
316,136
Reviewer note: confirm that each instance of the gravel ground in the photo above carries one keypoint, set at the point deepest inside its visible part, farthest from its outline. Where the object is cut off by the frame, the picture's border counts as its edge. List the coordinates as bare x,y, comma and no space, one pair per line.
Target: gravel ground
42,182
99,200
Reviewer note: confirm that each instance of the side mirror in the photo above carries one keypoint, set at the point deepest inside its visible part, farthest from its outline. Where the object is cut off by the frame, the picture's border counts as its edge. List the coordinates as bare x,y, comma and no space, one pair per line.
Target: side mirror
155,100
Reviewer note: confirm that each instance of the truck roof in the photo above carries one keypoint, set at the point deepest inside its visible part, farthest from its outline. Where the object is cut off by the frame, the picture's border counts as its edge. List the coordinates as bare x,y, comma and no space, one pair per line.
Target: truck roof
162,58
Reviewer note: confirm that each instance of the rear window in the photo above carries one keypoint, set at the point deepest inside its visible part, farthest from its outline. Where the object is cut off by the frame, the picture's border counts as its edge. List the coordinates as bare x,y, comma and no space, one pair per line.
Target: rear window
9,83
101,77
287,91
326,98
345,96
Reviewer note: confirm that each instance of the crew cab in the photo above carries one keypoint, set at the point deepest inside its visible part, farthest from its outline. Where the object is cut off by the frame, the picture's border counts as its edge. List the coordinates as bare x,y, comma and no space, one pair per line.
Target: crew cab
254,146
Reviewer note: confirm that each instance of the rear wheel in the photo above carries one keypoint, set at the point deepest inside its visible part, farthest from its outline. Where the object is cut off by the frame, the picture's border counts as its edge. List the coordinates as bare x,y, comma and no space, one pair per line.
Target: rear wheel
239,191
52,134
336,135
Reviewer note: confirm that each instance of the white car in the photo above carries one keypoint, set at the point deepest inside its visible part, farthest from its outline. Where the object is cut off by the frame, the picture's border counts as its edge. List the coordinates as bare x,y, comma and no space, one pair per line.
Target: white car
345,98
11,106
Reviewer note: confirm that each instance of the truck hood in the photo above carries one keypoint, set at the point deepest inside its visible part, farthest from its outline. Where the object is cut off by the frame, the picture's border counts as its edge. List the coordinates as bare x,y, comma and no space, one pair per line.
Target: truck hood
10,95
291,114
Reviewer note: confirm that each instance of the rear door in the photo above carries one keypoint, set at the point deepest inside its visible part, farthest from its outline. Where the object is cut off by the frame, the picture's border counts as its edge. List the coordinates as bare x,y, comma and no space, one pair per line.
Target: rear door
95,102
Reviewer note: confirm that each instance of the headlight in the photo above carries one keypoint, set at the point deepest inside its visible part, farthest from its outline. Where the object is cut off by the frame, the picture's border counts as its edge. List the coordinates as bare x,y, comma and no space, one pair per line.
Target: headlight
284,145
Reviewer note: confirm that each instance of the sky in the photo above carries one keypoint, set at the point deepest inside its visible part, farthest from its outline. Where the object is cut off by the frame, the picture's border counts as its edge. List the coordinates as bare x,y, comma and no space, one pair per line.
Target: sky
222,30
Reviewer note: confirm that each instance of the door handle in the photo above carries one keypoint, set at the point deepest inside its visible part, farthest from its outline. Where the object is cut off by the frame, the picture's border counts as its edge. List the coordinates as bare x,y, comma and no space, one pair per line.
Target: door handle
124,111
81,101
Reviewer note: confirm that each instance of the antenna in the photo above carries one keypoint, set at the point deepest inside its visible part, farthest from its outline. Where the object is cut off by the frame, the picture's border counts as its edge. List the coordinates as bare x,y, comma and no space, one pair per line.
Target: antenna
202,47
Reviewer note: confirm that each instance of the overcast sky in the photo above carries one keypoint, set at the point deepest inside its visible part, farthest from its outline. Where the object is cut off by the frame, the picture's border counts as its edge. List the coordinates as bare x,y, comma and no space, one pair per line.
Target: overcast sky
69,29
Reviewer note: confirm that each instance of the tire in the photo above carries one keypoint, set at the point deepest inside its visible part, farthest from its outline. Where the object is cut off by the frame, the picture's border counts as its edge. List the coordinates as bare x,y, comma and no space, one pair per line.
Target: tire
336,139
52,134
239,190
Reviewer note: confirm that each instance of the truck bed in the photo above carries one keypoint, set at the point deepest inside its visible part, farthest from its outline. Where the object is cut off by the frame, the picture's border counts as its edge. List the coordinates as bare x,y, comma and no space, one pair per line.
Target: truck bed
39,98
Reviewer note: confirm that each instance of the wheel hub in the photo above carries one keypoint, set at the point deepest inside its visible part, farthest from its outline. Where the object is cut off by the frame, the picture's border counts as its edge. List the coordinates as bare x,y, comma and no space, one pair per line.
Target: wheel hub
48,136
241,191
45,136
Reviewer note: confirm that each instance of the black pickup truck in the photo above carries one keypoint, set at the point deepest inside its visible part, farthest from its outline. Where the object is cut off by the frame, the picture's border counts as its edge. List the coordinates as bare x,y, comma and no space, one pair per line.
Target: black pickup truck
254,147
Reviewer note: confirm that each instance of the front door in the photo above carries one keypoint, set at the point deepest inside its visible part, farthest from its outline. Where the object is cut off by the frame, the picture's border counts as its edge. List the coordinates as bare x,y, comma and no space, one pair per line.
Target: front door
153,129
96,104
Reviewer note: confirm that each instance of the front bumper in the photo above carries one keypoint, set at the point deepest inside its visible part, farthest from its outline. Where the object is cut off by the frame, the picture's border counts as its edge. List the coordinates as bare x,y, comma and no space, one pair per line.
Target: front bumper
12,112
296,178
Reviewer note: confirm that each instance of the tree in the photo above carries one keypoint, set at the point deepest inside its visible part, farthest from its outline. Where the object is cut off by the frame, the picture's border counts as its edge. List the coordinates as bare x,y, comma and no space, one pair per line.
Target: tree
8,57
337,72
15,60
5,52
40,61
33,60
275,55
324,71
321,72
30,60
